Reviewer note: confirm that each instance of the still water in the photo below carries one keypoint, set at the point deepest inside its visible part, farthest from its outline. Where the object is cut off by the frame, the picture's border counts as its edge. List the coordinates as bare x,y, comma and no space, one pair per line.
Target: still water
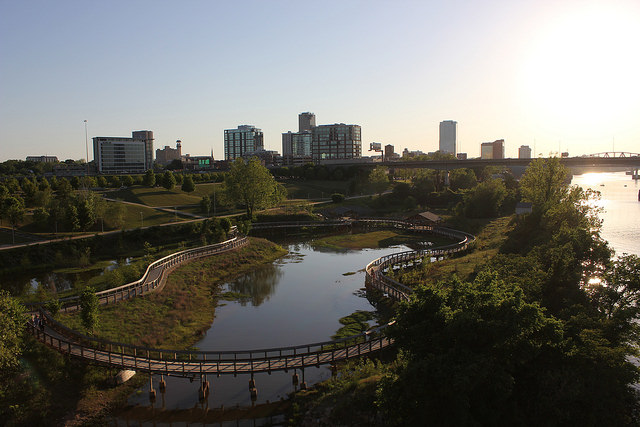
621,216
296,300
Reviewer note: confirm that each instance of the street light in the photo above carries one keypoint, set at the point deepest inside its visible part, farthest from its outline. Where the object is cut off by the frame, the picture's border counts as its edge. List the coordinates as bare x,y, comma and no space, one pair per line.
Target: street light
86,145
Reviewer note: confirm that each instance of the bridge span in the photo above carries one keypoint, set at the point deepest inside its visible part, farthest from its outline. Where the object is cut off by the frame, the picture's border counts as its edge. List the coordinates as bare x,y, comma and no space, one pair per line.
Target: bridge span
193,364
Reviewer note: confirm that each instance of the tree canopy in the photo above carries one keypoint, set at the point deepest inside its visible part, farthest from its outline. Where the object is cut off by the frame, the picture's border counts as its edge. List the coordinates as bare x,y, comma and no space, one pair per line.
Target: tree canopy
251,185
12,324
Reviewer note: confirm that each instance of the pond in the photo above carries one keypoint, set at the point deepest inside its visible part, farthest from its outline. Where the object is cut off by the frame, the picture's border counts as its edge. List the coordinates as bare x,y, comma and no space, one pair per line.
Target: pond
28,283
296,300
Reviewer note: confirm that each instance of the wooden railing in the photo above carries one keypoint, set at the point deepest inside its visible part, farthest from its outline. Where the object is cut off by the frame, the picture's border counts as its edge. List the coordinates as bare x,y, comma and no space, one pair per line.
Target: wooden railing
154,276
192,363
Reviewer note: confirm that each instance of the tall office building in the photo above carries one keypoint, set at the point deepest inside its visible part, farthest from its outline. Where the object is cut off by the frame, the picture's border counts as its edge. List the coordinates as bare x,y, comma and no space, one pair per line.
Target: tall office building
492,150
524,152
338,141
448,137
244,140
124,155
296,144
306,122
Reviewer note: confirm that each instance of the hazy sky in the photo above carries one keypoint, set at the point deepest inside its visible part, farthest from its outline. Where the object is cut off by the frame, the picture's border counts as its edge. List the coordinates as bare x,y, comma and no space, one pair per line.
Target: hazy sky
565,74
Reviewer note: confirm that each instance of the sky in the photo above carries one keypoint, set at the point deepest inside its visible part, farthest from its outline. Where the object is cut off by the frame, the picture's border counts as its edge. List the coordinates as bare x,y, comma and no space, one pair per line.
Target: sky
557,75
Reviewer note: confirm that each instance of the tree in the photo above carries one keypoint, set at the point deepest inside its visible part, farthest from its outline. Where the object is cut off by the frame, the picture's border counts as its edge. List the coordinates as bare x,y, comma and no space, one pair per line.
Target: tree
41,217
466,347
379,179
187,184
337,198
176,164
13,210
485,200
168,180
462,179
252,185
86,213
89,304
544,184
149,178
29,188
127,180
64,188
12,324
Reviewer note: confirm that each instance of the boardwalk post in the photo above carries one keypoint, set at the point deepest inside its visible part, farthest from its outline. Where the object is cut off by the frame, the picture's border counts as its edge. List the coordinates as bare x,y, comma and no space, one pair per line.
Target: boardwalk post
303,384
152,392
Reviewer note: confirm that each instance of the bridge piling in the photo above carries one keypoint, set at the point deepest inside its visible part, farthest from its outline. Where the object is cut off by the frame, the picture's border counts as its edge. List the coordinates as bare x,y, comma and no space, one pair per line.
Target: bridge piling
152,392
303,384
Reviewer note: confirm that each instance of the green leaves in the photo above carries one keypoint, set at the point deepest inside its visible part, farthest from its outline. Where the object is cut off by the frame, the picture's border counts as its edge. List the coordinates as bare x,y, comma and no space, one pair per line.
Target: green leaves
250,184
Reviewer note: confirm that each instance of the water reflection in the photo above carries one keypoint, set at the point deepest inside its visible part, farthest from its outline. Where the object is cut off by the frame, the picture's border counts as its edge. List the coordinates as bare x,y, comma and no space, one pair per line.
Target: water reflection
28,283
257,286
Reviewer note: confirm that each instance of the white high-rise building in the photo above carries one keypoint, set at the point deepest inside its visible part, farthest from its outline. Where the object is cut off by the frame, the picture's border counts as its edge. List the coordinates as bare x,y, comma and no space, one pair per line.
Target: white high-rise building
448,137
524,152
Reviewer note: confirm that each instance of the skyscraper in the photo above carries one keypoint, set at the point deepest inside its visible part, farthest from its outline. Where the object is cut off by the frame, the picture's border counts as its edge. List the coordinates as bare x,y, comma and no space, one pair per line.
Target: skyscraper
448,137
306,122
244,140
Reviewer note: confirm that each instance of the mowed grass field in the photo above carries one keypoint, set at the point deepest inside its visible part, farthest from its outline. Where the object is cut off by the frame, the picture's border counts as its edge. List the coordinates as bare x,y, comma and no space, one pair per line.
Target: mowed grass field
160,196
314,189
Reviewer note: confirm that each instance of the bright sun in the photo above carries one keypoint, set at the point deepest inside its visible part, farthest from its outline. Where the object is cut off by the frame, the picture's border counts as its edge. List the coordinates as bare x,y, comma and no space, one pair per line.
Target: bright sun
582,74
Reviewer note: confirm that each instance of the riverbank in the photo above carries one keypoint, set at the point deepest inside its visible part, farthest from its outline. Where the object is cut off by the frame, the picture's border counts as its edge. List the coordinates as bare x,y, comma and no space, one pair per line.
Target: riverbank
60,388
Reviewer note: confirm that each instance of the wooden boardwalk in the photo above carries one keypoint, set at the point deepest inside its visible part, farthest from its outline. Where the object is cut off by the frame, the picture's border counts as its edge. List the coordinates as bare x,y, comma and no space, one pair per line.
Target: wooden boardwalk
197,363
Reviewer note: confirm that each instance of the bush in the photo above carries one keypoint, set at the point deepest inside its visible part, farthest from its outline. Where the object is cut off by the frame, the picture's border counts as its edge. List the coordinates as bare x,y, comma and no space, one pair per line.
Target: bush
337,198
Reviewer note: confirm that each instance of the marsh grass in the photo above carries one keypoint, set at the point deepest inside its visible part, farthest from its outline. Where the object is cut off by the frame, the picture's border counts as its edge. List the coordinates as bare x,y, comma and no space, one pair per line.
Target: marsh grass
178,316
491,236
375,239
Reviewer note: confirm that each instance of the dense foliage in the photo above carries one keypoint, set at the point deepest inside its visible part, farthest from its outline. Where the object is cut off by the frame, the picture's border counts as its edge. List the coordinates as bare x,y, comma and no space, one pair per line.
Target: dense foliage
541,336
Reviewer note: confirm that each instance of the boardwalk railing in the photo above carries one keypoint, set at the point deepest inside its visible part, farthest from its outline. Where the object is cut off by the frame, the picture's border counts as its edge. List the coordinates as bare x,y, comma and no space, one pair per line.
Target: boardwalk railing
191,363
300,224
155,275
188,363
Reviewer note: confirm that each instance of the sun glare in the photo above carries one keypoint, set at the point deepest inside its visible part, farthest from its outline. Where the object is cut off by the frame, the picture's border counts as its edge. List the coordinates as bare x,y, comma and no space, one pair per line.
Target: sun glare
581,73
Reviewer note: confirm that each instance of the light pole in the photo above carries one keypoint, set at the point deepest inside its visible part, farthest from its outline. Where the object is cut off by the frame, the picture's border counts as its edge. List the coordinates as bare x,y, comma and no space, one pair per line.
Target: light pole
86,145
141,220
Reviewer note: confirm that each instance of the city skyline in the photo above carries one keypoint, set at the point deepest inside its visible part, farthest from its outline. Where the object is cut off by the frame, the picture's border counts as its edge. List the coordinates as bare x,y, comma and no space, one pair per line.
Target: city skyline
555,77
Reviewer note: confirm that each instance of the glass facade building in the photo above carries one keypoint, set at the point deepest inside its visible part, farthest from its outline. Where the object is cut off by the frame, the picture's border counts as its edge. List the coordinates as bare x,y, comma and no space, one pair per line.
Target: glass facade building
338,141
241,141
448,137
124,155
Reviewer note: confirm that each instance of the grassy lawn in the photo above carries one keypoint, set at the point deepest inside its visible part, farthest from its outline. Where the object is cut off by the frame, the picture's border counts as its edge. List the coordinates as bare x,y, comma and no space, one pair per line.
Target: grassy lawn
7,239
150,216
159,196
376,239
177,316
314,189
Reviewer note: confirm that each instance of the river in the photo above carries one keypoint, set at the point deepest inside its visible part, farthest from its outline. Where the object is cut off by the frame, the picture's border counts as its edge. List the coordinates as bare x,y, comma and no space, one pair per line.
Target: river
621,215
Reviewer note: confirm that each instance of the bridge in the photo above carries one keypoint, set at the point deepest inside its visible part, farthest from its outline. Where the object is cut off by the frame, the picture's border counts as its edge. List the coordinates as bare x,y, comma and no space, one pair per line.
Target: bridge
628,160
194,364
